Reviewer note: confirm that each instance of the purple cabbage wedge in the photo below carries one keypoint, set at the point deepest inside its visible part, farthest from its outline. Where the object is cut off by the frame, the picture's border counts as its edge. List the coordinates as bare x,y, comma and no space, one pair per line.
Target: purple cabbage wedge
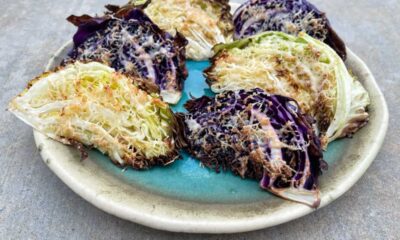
289,16
259,136
127,40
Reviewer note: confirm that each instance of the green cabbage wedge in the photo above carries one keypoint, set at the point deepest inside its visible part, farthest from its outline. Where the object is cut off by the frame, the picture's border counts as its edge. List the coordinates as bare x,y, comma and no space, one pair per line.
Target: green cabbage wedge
302,68
90,104
204,23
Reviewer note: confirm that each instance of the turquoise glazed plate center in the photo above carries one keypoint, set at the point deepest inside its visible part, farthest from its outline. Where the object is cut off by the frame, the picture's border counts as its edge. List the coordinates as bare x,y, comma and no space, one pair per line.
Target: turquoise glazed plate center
185,179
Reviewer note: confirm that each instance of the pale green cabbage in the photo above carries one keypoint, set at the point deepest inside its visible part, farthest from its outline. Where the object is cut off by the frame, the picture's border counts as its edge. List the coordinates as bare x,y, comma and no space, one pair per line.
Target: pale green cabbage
93,105
204,23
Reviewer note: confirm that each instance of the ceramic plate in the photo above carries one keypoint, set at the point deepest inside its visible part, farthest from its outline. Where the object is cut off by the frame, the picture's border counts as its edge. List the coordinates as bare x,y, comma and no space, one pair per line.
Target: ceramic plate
185,197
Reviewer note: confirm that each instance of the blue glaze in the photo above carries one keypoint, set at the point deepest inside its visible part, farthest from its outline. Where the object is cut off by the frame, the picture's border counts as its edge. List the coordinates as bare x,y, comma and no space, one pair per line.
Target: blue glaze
195,84
186,179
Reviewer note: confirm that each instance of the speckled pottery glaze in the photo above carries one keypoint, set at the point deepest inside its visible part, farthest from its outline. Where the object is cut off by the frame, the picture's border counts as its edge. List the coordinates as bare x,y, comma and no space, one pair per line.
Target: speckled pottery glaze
185,197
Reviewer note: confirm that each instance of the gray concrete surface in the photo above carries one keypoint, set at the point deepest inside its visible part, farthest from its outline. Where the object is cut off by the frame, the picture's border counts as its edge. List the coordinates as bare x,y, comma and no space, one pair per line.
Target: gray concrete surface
35,204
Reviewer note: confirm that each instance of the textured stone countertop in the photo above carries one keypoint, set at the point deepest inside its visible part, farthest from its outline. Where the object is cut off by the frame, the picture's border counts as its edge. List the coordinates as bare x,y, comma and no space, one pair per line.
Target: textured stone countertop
35,204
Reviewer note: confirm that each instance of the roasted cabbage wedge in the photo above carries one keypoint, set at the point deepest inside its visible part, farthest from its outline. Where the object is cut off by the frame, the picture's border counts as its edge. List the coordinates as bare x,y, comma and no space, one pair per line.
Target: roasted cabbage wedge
127,40
302,68
91,104
289,16
204,23
260,136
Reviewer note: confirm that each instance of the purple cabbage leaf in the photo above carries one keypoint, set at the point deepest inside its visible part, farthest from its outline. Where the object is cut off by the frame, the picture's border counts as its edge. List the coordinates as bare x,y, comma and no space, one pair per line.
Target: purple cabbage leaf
128,41
259,136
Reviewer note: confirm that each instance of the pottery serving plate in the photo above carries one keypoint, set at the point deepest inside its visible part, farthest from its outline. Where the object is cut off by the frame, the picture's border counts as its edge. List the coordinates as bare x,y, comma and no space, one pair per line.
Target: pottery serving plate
185,197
